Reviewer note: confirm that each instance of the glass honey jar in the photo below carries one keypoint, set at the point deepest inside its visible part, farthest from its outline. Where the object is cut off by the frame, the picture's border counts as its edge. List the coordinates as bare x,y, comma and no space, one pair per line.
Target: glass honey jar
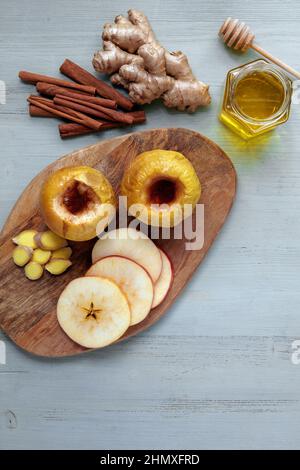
257,98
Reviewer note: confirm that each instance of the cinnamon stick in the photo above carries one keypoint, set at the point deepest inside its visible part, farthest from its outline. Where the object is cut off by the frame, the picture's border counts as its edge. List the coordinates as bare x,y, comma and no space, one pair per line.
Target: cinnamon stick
34,78
52,105
66,113
34,111
38,112
78,107
106,103
53,90
49,89
72,129
63,109
94,109
42,99
78,74
138,116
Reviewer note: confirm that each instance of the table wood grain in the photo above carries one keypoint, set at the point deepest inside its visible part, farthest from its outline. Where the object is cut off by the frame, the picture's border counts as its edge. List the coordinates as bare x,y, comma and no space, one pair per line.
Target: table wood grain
216,372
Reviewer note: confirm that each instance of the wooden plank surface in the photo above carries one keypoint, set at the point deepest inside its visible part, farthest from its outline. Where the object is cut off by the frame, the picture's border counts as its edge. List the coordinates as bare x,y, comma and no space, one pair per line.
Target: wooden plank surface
216,372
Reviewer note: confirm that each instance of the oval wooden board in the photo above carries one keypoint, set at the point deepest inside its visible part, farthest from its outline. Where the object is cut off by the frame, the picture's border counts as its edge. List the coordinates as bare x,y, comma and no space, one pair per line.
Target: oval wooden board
28,309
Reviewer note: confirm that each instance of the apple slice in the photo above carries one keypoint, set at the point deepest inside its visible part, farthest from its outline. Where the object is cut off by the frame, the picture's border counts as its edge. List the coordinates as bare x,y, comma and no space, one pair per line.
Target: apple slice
133,280
93,311
132,244
163,284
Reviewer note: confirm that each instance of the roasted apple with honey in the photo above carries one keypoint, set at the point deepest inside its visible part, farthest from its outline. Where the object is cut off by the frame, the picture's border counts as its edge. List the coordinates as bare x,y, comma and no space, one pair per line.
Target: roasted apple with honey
74,200
162,187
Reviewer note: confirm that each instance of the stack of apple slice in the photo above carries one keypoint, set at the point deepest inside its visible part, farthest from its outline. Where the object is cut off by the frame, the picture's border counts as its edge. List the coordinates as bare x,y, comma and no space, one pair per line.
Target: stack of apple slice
129,276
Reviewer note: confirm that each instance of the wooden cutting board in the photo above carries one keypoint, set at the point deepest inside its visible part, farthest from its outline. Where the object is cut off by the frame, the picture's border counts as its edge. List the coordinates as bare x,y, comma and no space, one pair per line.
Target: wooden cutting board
28,309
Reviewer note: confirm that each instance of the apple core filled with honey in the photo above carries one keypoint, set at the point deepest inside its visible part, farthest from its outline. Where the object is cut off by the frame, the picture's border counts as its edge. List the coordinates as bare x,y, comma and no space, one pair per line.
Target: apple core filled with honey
161,186
163,190
79,197
75,200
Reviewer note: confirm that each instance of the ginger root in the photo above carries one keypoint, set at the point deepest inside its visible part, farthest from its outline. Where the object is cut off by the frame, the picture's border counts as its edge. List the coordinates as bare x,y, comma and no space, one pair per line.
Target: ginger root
39,250
21,255
41,256
26,238
62,253
33,271
137,61
50,241
58,266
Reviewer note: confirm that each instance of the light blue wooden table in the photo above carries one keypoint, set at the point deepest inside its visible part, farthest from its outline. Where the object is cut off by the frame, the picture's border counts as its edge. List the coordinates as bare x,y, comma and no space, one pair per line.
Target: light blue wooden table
216,372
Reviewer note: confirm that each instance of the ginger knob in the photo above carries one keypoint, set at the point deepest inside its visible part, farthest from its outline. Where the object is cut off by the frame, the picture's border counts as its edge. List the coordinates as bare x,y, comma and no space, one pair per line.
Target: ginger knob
50,241
41,256
62,253
39,250
58,266
26,238
21,255
33,271
137,61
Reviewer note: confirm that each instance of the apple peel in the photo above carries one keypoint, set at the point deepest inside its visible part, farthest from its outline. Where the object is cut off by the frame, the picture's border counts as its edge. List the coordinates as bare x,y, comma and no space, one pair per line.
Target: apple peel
164,282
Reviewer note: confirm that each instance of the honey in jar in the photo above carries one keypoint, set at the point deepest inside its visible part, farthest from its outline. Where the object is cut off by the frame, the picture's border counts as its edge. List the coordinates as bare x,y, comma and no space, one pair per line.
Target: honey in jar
257,98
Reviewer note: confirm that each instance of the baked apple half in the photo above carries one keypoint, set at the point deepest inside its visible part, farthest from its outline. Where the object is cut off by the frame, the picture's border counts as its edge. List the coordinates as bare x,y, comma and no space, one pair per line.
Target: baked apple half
162,187
76,201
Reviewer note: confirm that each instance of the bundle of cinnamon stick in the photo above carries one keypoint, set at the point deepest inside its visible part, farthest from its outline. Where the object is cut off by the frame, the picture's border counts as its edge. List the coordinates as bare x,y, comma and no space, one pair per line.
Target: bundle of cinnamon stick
87,103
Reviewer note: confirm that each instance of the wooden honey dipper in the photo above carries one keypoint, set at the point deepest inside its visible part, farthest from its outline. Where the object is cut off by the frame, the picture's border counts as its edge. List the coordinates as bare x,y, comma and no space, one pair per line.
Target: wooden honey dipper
238,35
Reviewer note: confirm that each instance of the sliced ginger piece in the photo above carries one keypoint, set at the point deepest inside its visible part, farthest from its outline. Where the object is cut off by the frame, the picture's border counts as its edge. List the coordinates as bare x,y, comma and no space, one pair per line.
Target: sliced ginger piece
33,271
62,253
21,255
58,266
26,238
50,241
41,256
